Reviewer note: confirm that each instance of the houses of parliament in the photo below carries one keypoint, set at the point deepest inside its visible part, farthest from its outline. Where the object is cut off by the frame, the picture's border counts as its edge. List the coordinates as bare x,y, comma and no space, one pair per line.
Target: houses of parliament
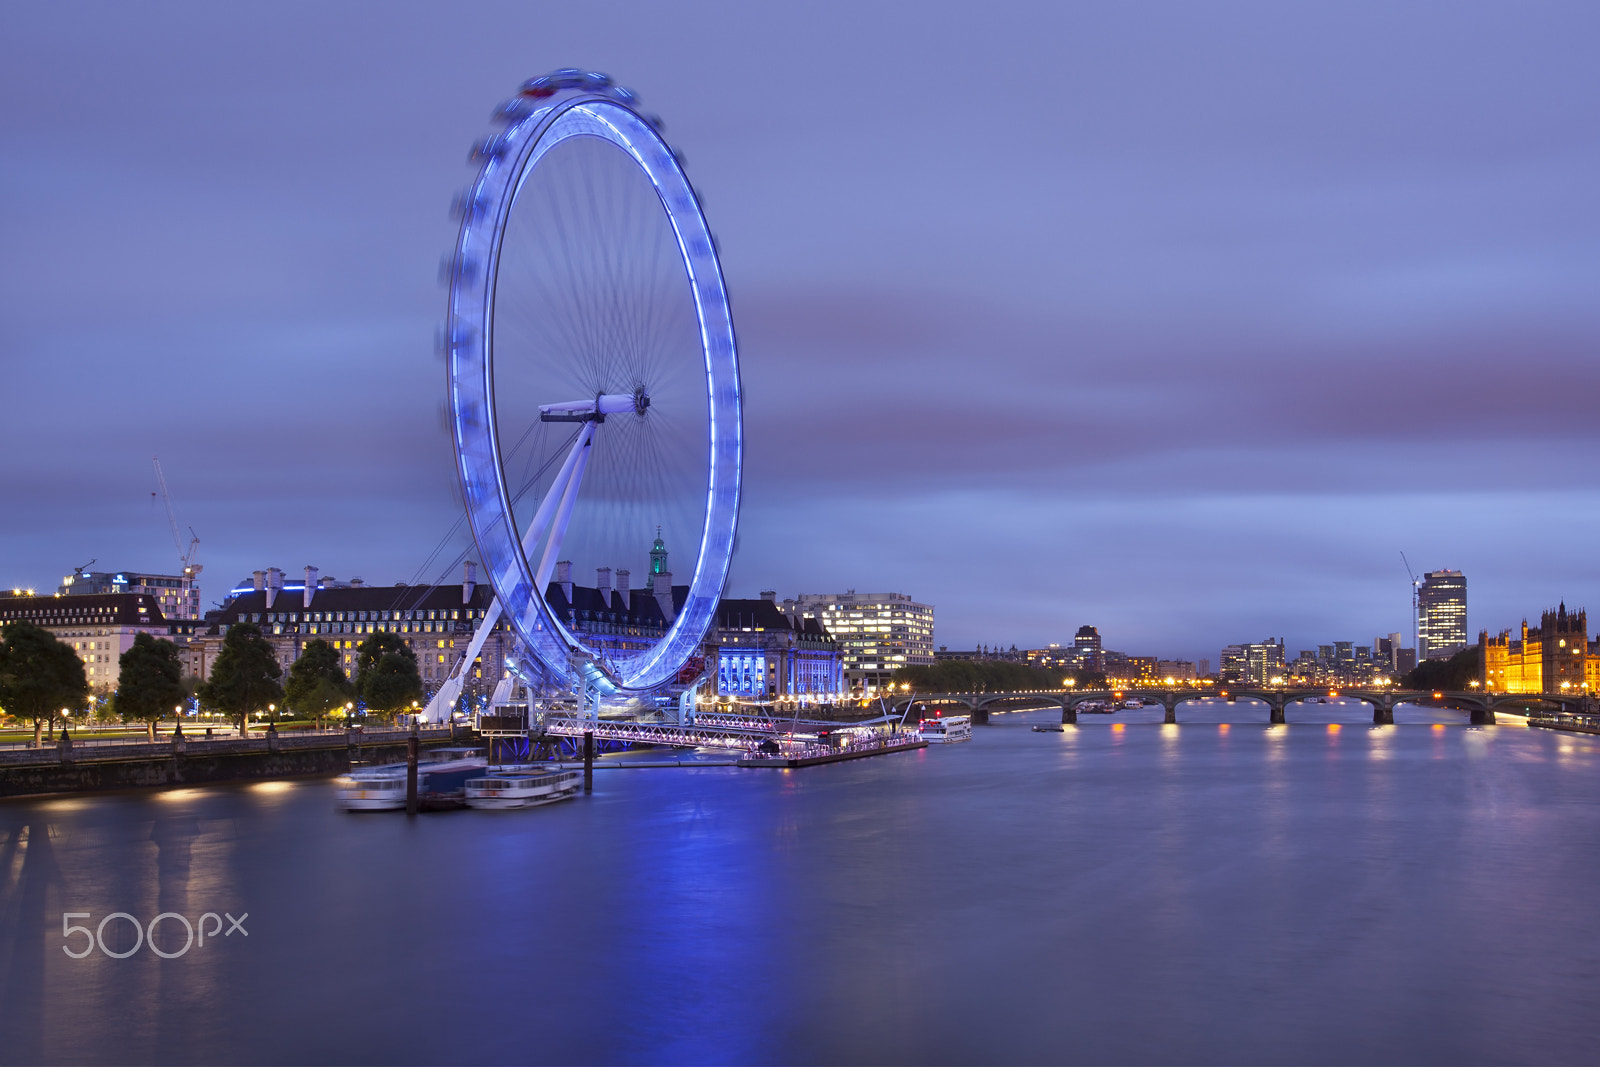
1552,657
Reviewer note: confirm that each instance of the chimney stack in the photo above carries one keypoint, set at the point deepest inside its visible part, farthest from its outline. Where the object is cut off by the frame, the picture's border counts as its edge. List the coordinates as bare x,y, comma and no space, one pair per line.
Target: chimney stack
602,582
261,580
769,595
469,581
311,586
663,592
274,585
622,590
564,578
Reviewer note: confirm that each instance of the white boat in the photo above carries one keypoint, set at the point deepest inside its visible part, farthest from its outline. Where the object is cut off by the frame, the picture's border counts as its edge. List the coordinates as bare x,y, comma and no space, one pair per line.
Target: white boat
1095,707
440,777
522,787
1133,702
946,730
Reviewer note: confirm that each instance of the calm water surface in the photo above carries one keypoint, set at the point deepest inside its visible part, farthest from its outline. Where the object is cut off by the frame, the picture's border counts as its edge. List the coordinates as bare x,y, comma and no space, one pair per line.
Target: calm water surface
1122,892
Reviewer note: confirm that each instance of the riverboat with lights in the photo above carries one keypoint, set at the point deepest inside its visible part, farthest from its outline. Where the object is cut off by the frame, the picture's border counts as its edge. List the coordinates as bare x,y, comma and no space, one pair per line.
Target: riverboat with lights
504,789
441,777
946,730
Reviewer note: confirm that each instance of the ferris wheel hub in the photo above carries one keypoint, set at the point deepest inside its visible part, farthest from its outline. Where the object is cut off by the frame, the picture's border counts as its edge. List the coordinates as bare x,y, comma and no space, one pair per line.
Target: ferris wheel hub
597,409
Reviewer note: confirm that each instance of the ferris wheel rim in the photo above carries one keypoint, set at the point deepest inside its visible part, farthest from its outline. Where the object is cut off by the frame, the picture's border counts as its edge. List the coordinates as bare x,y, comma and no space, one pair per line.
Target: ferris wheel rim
536,122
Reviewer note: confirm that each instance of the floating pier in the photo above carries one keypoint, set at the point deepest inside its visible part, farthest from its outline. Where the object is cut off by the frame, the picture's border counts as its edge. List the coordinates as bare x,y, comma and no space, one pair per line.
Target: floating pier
811,755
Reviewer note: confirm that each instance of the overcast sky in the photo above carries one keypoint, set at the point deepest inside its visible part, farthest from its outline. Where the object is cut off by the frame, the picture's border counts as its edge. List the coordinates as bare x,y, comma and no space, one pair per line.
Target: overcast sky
1182,320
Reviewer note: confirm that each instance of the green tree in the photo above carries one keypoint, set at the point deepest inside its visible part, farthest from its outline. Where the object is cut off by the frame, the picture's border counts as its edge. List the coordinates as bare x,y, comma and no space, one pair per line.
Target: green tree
316,683
38,675
966,676
245,676
1447,674
386,674
149,681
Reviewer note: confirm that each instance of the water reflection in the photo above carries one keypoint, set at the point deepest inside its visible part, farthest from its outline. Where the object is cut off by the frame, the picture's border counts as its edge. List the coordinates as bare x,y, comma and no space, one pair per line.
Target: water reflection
1329,892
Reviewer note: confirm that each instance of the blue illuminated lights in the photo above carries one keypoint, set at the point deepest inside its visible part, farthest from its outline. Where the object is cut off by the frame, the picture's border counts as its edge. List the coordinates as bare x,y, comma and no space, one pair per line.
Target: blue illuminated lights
588,110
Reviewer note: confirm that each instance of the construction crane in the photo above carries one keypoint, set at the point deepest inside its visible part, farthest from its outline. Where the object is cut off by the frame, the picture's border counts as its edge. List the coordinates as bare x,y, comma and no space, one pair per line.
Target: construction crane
1416,608
191,569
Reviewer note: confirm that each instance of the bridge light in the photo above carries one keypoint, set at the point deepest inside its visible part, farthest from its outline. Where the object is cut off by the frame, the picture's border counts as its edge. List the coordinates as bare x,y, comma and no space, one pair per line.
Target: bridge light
1438,696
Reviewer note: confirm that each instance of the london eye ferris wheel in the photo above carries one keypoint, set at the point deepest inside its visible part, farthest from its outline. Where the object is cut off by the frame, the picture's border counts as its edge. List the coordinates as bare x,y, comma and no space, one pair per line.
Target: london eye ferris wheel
593,373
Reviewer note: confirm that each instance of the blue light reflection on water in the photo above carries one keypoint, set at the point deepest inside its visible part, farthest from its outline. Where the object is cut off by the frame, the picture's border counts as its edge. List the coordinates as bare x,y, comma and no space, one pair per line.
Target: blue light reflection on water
1201,893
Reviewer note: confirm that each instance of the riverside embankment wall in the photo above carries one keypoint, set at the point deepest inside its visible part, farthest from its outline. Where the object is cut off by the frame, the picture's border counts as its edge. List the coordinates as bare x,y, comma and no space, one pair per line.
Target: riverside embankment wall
68,768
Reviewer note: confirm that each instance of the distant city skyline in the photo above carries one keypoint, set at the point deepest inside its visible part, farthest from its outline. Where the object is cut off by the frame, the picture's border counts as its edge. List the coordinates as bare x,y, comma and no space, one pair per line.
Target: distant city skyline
1183,326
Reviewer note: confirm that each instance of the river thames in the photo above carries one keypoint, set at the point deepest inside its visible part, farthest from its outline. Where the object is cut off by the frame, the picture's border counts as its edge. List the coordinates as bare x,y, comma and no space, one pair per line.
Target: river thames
1121,892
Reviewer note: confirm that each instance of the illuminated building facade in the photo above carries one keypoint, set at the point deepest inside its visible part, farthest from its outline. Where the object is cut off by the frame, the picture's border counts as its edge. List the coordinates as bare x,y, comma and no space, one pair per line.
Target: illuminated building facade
178,598
764,654
99,627
1179,670
1554,657
1087,650
879,633
435,622
1441,615
1253,664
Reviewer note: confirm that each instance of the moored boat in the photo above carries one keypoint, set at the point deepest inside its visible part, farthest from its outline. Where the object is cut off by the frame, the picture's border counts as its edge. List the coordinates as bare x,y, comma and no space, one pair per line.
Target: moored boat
945,730
440,779
522,787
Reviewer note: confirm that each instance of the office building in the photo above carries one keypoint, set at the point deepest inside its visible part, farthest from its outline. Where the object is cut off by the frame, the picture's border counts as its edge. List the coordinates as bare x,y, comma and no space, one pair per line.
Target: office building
99,627
1441,614
878,633
176,594
1177,670
1253,664
1087,650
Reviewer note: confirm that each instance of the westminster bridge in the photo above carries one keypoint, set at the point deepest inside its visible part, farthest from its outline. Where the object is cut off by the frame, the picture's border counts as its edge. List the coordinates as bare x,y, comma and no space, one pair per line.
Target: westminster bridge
1479,706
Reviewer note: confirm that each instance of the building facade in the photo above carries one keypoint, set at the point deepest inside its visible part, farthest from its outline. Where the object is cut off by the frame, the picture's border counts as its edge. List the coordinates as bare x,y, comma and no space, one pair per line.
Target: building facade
1441,614
878,633
99,627
176,594
1177,670
763,654
1253,664
1554,657
436,623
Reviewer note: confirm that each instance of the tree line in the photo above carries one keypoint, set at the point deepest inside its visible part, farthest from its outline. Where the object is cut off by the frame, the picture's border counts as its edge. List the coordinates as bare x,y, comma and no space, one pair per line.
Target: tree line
985,675
40,677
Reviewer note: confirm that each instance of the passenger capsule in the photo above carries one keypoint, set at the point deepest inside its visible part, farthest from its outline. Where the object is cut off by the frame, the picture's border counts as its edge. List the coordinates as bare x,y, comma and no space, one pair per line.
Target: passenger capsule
568,78
468,206
595,80
489,148
458,268
624,96
512,111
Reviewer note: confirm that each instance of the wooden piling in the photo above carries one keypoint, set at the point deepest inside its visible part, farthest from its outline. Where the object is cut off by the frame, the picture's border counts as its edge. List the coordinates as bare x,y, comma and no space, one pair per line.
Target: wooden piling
411,771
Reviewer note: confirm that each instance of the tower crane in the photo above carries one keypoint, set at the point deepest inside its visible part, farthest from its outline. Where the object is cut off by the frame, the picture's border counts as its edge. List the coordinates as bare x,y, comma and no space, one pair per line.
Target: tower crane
191,569
1416,608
